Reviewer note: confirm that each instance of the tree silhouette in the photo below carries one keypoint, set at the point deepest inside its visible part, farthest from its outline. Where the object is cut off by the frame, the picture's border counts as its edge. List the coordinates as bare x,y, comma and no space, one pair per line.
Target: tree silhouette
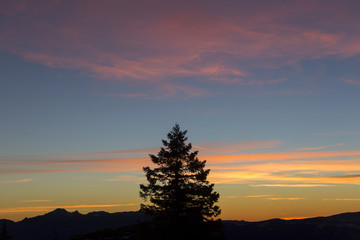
178,188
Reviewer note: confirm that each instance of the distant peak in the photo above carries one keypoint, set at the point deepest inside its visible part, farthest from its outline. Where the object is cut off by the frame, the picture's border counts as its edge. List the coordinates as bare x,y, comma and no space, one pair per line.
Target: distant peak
59,211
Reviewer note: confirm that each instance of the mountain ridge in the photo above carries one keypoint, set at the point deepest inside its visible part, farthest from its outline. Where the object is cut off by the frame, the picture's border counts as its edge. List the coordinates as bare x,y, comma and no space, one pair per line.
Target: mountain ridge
61,224
342,226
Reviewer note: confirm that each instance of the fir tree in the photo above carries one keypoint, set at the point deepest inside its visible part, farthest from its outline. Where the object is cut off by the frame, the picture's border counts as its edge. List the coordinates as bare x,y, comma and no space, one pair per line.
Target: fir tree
178,188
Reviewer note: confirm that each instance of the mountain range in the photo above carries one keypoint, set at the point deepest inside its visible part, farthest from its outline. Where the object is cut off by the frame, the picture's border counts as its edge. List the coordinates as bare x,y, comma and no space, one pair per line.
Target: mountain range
345,226
61,225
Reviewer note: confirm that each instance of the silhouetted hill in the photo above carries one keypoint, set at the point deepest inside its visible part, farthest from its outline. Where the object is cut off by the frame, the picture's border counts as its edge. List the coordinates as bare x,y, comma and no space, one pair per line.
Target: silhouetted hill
344,226
61,224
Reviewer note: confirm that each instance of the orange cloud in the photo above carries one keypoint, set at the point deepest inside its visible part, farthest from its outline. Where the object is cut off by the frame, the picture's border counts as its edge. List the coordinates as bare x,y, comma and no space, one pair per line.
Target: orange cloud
311,169
313,166
290,185
277,180
272,198
280,156
342,199
258,196
291,199
269,197
18,181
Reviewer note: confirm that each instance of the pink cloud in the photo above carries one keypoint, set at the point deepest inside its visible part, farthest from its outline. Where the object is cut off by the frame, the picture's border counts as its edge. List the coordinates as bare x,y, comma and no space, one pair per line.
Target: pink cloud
159,44
351,81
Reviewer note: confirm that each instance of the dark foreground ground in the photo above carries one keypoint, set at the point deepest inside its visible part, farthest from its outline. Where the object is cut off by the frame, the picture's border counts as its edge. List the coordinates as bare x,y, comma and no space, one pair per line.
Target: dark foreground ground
63,225
344,226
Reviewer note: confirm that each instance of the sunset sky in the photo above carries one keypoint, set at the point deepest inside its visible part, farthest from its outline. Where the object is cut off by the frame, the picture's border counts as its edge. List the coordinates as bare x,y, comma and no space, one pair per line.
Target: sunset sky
269,92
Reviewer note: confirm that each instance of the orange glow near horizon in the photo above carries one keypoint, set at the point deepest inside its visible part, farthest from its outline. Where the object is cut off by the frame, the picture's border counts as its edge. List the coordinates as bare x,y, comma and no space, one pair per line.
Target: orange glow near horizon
316,167
268,91
256,172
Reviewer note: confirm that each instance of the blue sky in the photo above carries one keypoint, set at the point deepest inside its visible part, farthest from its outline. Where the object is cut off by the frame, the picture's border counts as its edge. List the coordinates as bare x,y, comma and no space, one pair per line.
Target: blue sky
269,94
51,110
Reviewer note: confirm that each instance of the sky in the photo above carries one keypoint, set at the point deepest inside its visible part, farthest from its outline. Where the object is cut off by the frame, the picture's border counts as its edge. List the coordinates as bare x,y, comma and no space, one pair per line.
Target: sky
268,91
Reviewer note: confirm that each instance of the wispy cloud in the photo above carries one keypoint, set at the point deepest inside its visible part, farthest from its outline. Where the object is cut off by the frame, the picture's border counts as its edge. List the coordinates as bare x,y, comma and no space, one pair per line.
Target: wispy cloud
228,165
290,185
319,148
341,199
280,198
154,53
351,81
214,157
258,196
18,181
273,198
278,156
303,167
